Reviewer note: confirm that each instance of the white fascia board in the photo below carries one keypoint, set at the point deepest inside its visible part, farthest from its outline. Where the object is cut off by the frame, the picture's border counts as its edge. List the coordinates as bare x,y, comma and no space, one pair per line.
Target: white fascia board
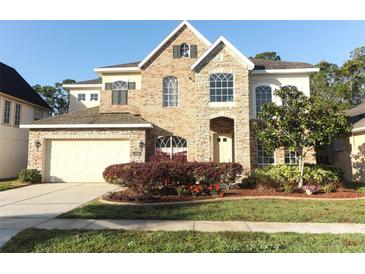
285,71
168,37
82,85
223,40
356,130
147,125
126,69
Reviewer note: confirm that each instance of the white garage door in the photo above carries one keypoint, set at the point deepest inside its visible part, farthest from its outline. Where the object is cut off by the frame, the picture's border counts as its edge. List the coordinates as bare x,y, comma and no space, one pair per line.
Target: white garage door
83,160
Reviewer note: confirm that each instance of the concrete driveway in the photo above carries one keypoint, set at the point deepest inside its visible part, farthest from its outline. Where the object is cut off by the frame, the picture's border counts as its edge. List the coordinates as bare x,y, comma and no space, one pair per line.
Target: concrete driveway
32,205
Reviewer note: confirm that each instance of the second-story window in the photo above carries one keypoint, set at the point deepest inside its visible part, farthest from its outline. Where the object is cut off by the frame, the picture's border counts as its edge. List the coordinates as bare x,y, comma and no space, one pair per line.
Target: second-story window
120,93
17,114
94,97
170,92
7,109
184,50
38,114
81,97
221,87
263,96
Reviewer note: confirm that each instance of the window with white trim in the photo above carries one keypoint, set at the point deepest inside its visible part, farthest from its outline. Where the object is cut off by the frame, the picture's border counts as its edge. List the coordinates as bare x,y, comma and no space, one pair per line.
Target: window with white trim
221,87
37,114
7,110
17,114
263,96
120,93
263,157
291,158
170,91
172,146
184,50
94,97
81,97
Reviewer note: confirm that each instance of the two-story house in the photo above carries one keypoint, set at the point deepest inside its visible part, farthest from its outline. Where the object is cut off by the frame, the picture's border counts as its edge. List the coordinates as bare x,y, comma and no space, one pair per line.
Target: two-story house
188,97
19,103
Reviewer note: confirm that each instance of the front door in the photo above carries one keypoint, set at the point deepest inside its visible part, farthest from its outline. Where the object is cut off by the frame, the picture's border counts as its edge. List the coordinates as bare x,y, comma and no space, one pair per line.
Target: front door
222,145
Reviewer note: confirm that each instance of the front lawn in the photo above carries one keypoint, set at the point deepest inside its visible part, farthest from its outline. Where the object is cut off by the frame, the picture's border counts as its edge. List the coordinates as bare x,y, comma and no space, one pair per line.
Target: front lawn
37,240
6,184
268,210
359,187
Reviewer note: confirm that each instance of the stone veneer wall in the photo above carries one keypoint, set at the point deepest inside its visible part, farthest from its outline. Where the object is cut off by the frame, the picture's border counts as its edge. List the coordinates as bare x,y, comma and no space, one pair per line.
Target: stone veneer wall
36,155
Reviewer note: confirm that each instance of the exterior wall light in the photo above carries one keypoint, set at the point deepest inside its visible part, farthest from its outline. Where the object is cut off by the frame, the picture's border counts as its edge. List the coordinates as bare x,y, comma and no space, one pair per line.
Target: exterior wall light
37,144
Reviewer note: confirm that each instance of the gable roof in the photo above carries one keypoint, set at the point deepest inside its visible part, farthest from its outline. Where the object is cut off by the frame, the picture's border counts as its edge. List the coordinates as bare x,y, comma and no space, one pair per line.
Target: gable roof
90,118
355,111
13,84
92,81
168,37
125,65
223,40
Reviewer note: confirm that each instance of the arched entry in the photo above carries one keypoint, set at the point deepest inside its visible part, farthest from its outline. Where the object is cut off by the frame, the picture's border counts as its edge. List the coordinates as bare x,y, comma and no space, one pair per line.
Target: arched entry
222,136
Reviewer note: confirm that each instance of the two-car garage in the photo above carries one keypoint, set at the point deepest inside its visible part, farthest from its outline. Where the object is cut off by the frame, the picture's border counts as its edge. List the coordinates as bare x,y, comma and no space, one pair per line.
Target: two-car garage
82,160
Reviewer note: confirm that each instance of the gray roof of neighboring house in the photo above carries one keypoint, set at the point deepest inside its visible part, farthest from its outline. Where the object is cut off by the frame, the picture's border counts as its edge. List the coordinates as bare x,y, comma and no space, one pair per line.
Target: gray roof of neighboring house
259,64
92,81
358,110
359,124
91,116
13,84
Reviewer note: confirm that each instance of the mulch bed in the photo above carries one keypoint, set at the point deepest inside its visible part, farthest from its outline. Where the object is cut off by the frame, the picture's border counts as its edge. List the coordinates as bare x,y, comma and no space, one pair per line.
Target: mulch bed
129,196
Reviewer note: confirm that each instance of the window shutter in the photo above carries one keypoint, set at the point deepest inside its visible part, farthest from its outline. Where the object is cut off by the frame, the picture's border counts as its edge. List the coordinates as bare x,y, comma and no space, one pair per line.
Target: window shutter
131,85
108,86
176,52
193,51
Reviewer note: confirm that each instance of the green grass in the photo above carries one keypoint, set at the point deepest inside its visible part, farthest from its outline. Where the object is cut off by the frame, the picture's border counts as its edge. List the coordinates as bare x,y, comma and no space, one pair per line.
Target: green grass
6,184
359,187
269,210
37,240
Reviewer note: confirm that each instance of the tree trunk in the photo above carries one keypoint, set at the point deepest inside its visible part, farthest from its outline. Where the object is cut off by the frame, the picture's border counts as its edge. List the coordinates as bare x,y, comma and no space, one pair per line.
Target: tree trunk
301,161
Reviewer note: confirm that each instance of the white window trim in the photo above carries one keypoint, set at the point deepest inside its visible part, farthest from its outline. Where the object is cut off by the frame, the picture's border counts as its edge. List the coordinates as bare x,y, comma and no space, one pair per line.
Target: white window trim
273,97
77,98
97,95
171,148
178,92
223,104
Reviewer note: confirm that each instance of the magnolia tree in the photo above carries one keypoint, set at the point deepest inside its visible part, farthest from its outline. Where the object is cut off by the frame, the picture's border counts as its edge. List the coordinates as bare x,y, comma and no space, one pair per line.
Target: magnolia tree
299,124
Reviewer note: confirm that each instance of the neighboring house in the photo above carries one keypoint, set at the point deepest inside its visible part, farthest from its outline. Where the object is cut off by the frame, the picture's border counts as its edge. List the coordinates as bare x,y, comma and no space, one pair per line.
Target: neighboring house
84,94
188,97
349,153
19,104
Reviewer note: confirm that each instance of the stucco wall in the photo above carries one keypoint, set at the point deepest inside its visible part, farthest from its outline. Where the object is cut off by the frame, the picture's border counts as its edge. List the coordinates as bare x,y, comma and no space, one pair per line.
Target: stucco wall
14,140
76,105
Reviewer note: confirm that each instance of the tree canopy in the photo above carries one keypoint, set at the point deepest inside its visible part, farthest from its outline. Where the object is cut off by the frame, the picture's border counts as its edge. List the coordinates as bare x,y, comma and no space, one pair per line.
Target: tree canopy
269,55
57,97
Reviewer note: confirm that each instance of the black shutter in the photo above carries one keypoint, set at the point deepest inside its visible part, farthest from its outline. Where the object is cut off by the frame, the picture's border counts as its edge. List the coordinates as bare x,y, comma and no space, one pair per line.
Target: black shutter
108,86
193,51
176,52
131,85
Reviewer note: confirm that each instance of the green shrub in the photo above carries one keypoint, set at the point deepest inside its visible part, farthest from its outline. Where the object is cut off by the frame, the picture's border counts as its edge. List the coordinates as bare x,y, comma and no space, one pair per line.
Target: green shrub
331,187
30,176
277,176
289,187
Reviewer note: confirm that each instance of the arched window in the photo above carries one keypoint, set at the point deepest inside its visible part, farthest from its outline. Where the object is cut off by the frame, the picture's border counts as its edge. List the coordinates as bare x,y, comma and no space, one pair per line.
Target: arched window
119,93
263,96
184,50
172,146
221,87
170,92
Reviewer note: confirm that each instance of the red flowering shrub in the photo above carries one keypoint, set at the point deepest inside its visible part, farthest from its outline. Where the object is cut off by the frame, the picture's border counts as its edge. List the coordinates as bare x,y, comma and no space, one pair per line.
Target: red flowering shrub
194,178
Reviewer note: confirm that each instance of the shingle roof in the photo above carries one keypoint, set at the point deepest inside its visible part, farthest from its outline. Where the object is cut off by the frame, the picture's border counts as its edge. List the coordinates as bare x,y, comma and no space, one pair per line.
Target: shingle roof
273,64
358,110
91,116
92,81
259,64
125,65
359,124
13,84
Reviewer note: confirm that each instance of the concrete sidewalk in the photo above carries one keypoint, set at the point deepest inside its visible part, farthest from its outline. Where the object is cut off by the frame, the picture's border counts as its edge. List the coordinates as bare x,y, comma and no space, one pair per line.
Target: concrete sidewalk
35,204
205,226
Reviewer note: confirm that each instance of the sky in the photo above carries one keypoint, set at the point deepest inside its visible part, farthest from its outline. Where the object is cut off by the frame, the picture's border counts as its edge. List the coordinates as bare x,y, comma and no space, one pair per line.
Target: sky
46,52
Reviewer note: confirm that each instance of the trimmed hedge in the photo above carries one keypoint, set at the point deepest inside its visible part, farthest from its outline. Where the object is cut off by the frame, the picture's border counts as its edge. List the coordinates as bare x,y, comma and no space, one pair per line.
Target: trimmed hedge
185,177
279,176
